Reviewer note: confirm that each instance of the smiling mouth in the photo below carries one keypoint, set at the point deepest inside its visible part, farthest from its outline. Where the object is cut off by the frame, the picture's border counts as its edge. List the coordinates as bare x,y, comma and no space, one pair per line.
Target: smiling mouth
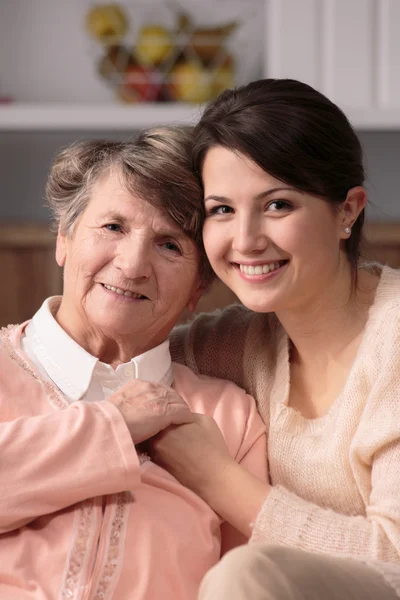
261,269
122,292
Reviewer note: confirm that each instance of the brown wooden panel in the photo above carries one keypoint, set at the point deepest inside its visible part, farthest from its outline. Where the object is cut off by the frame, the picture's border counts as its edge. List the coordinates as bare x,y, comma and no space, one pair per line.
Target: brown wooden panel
29,273
217,296
383,243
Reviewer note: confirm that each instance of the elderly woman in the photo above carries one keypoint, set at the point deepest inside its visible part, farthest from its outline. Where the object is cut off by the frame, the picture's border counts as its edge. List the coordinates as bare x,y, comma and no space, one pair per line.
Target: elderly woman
83,513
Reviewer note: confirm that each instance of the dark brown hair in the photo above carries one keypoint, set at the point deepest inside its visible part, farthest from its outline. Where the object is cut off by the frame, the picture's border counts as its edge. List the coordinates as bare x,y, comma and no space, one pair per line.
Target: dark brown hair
156,167
294,133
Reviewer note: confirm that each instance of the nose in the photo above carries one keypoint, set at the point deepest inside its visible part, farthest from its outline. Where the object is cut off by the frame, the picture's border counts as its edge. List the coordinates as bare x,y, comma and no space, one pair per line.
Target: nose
249,236
133,258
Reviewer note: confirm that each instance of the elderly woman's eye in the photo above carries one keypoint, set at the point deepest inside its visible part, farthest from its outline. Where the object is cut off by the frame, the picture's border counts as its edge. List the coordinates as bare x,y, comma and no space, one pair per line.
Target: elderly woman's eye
172,247
113,227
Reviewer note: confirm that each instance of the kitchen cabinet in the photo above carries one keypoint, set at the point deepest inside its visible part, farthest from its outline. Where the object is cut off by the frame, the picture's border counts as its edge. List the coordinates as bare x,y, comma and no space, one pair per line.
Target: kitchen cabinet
348,49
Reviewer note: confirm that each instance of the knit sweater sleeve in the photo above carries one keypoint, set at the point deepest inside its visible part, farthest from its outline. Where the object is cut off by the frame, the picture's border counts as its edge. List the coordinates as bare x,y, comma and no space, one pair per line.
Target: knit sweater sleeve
287,519
213,344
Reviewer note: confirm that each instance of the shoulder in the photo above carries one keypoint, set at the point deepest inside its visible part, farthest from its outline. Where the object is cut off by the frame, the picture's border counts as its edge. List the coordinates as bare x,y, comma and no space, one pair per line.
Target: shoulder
211,342
191,383
377,387
22,393
233,410
234,343
226,321
10,339
223,331
208,395
385,313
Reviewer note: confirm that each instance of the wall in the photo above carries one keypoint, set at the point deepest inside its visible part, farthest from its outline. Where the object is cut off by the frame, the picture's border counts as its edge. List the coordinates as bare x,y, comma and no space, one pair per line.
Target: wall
46,55
25,159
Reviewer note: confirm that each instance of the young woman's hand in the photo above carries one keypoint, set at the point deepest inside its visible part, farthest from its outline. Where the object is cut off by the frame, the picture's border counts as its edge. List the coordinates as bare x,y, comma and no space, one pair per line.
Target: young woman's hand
196,454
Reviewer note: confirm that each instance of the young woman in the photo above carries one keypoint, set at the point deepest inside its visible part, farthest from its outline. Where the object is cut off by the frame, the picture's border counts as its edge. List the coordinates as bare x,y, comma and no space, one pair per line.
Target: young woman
317,343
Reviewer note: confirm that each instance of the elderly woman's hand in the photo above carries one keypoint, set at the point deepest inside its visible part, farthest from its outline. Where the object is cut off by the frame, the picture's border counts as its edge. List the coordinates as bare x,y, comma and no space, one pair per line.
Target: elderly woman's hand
148,408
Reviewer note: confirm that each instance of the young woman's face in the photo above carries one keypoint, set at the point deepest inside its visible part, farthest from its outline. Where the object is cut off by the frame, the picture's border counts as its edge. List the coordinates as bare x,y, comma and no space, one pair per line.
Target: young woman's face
276,248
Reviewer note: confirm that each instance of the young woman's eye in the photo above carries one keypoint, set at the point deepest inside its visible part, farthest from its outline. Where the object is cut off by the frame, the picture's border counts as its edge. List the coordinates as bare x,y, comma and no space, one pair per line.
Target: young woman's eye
279,206
113,227
222,209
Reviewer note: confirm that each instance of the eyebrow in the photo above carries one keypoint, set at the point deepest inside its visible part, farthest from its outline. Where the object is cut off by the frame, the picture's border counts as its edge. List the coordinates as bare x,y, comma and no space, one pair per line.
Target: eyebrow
259,196
176,233
112,216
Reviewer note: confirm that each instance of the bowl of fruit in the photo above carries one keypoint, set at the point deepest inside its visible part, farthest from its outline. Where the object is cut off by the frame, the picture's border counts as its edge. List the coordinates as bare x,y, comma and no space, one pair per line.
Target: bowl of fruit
183,62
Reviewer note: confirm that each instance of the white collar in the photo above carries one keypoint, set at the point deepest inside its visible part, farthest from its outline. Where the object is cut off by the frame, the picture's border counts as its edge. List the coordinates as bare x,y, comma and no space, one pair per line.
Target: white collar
72,368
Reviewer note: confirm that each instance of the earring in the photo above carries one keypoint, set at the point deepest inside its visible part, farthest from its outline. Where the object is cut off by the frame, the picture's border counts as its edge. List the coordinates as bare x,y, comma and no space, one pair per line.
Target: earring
347,229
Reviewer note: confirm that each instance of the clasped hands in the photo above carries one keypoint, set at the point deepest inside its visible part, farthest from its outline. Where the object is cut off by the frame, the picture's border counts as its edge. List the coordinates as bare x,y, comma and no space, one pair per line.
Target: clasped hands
188,445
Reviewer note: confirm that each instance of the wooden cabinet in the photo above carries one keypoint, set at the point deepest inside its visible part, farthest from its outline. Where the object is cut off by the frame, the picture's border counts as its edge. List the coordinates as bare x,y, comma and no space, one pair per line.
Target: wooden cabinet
348,49
383,243
29,272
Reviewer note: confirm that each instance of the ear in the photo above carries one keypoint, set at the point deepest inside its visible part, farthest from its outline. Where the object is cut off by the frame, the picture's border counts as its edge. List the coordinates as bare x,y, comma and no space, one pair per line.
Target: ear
356,200
61,248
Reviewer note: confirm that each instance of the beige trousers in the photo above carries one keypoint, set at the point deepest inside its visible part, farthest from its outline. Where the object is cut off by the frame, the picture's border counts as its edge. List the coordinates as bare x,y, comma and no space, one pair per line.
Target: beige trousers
264,572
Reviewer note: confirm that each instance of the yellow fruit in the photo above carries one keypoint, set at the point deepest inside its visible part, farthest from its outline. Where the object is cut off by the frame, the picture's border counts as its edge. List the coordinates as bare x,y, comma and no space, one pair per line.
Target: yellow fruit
154,45
107,23
223,77
190,82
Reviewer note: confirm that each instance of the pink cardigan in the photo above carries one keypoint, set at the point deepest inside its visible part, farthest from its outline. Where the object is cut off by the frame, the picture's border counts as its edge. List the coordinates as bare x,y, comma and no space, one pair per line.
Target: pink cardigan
82,516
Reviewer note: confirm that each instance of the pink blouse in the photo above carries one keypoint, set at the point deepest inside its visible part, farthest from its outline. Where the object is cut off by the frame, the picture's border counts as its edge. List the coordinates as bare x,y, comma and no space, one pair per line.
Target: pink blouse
82,515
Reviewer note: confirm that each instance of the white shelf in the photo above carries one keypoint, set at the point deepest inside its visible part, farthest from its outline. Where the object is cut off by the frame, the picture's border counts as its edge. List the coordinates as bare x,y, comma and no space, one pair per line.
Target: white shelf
114,117
88,117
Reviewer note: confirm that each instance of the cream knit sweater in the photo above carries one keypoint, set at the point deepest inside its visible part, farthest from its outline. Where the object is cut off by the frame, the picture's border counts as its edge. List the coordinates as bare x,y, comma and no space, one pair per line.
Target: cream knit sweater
336,479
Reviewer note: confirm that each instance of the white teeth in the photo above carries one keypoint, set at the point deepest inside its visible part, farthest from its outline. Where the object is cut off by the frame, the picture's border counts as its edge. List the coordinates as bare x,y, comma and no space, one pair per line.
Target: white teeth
122,292
259,269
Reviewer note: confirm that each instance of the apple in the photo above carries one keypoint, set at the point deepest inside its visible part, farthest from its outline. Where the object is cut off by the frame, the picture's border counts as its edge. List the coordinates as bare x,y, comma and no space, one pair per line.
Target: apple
140,84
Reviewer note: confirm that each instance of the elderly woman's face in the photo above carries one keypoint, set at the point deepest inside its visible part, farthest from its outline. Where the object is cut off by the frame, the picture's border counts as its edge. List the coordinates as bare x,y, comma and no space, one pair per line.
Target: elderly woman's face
128,268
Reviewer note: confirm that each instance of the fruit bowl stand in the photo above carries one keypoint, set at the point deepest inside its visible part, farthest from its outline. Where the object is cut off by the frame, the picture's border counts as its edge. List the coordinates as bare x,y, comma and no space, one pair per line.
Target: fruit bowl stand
162,54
